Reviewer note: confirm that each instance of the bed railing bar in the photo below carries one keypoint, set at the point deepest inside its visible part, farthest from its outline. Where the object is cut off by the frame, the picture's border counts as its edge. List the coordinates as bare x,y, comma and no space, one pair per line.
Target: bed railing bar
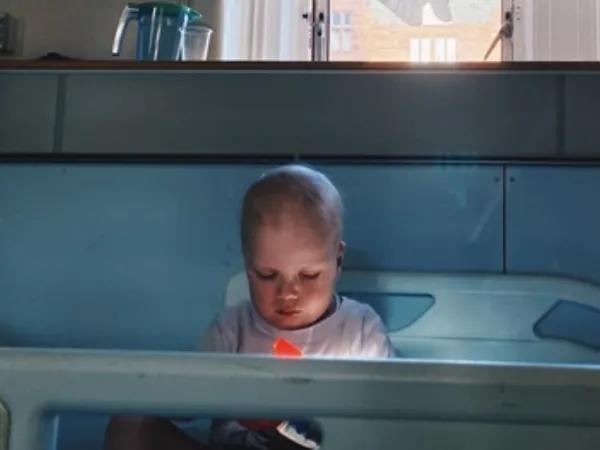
34,382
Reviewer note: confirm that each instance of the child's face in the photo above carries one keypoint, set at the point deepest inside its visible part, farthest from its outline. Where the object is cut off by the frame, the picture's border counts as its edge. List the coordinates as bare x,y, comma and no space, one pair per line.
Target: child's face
292,273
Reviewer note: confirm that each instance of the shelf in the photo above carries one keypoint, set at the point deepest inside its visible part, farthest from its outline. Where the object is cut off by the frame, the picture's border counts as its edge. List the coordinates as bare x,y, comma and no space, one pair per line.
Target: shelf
16,64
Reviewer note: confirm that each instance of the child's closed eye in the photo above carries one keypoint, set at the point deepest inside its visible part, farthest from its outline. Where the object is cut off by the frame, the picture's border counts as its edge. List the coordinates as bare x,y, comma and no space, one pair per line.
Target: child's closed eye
266,276
310,276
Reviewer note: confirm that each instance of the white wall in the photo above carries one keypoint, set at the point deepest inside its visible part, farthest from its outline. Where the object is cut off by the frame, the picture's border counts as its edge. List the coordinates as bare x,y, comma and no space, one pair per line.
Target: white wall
83,28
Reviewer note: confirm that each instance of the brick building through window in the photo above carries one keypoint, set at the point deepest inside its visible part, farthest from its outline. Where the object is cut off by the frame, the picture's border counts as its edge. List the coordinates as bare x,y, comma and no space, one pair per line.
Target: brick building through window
367,30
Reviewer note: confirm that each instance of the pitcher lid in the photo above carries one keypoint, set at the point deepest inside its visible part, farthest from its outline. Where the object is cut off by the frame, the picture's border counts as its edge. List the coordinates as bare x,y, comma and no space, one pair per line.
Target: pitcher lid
168,9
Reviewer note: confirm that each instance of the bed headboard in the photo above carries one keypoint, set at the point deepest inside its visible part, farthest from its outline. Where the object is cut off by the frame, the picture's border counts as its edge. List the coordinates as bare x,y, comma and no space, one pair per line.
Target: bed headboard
463,316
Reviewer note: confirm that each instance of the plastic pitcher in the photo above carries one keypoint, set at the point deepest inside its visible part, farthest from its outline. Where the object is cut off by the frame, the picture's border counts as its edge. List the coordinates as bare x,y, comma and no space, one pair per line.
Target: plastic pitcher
161,29
196,40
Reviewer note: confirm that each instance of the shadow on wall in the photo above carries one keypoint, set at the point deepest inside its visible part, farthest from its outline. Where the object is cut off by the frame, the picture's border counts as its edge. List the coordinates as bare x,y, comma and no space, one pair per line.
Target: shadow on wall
8,337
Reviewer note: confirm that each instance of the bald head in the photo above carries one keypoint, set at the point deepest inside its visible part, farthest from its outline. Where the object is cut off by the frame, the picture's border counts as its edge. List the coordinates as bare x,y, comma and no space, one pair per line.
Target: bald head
294,192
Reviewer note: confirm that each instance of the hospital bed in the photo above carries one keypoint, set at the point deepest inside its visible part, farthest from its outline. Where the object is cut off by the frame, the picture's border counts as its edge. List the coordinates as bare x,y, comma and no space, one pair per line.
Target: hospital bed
490,362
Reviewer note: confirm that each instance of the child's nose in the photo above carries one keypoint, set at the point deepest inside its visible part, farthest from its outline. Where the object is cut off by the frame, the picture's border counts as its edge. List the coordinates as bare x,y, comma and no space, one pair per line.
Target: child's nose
288,289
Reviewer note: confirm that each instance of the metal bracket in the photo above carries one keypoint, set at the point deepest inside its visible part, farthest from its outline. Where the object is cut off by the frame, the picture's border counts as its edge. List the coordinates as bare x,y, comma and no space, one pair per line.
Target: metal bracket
318,22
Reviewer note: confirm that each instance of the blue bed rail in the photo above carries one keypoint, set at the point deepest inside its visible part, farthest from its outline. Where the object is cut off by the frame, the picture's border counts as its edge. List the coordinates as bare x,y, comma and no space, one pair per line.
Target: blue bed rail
35,383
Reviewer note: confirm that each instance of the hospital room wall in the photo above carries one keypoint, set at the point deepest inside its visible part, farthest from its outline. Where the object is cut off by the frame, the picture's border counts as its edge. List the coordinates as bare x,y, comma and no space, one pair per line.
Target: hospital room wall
133,256
118,256
138,257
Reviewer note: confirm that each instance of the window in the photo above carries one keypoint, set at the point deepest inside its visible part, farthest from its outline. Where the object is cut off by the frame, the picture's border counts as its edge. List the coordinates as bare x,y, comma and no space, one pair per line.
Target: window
340,38
438,50
399,30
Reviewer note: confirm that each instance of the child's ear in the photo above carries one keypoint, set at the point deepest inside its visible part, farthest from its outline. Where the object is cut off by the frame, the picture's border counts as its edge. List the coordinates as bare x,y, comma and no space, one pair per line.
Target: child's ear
340,257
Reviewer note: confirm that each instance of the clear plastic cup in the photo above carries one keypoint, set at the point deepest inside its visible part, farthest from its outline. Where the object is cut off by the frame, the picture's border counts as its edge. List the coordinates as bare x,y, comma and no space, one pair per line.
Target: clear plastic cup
195,42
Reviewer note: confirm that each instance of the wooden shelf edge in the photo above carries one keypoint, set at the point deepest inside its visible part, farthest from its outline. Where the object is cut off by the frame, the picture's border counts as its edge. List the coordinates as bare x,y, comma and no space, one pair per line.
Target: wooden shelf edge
19,64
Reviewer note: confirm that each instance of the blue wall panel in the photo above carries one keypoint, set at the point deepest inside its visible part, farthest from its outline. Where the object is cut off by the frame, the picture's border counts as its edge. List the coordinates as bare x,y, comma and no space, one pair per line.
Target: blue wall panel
125,257
423,218
553,218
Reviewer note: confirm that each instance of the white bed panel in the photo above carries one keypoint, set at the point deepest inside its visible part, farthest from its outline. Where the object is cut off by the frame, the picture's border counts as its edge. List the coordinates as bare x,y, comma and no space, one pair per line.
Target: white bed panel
474,317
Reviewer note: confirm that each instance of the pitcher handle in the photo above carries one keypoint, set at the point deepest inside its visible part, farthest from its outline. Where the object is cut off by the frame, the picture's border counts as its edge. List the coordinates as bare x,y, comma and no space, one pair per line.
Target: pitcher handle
130,12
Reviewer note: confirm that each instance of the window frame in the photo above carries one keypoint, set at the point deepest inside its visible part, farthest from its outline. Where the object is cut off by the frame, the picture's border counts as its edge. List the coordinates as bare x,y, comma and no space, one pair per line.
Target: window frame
294,34
508,49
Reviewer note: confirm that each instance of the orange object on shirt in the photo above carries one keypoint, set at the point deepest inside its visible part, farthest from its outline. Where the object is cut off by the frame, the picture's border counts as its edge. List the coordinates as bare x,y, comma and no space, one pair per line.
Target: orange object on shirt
285,349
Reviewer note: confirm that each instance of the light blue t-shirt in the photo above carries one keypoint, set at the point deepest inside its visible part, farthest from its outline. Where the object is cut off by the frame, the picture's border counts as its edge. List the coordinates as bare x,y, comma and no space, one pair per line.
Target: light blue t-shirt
353,330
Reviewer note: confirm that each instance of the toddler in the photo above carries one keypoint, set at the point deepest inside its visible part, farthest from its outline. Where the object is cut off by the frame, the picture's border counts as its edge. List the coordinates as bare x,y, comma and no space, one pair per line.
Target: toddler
291,234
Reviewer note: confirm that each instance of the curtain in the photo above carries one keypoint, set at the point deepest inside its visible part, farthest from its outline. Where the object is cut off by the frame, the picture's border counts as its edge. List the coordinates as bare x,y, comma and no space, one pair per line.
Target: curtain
264,30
